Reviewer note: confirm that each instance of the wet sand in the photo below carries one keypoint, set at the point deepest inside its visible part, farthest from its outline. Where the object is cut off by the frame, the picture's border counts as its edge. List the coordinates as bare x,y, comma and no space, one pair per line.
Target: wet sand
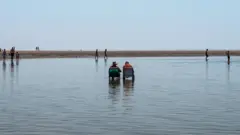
149,53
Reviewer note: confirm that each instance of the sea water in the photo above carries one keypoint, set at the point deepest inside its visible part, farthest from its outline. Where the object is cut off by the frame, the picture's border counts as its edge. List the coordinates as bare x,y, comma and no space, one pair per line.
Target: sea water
170,96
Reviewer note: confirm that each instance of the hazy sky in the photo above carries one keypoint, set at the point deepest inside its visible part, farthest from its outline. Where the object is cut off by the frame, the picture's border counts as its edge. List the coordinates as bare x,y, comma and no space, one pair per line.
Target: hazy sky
120,24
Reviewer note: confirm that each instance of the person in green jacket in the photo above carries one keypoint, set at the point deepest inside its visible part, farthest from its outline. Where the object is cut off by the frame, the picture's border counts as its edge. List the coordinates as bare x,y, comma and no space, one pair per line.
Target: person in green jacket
114,71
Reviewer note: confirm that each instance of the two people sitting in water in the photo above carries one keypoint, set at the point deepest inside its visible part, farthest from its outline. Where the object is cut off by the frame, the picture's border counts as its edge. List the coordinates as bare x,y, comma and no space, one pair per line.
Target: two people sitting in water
115,71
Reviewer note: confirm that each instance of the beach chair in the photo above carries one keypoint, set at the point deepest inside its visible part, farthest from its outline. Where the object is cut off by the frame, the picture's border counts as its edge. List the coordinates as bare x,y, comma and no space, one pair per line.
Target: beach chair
128,72
113,74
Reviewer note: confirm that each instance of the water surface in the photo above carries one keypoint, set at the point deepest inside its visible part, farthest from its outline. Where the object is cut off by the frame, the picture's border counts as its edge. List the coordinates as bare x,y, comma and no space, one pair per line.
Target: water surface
170,96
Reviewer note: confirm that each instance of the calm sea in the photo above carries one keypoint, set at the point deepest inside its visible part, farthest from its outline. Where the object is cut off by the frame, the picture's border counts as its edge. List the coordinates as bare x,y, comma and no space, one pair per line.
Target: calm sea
170,96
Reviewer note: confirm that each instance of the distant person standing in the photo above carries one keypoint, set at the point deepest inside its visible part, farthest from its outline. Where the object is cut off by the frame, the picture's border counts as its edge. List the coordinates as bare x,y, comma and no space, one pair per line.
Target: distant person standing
206,54
228,56
96,54
17,56
4,54
37,48
105,54
12,53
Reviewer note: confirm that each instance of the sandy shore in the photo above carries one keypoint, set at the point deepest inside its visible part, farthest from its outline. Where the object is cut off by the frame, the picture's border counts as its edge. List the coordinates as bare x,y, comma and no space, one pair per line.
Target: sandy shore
165,53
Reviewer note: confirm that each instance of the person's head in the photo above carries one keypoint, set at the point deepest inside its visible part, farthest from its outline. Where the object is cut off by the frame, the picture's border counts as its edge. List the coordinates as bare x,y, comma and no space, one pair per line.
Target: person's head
126,62
114,63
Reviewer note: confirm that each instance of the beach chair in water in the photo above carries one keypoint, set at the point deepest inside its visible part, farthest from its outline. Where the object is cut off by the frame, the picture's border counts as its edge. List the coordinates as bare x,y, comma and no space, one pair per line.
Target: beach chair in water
113,74
128,72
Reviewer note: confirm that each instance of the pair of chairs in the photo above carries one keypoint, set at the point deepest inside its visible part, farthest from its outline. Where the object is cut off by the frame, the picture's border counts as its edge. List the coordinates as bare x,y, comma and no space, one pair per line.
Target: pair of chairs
127,73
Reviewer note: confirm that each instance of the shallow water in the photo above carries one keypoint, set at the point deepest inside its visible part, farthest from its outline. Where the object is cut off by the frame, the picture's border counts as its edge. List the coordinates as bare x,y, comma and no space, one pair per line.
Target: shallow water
170,96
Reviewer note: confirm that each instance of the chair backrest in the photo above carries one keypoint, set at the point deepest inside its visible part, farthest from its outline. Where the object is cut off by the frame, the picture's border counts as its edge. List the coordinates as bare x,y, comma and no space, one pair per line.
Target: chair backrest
113,70
128,72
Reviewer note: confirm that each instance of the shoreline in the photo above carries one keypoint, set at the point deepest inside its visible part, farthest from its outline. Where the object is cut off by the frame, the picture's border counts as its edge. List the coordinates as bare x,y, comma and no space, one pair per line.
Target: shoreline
90,54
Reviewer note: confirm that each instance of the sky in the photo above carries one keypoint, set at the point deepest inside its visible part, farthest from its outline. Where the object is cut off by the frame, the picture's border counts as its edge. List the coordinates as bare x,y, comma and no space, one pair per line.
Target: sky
120,24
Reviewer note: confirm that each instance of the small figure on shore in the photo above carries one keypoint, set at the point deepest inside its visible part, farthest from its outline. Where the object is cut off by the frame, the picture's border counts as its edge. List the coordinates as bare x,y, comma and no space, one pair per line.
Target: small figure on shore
17,56
4,54
206,54
105,54
0,49
228,56
37,48
96,54
12,53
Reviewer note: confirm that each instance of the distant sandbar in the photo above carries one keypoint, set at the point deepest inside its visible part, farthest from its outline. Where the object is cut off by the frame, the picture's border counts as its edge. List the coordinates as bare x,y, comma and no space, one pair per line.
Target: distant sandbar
156,53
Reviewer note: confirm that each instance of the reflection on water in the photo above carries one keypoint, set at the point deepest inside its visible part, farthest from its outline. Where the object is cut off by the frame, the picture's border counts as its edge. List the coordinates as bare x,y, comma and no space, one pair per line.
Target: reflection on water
206,70
105,62
168,99
12,76
228,62
114,83
96,65
17,69
4,65
114,89
128,87
12,64
228,72
4,75
106,69
17,62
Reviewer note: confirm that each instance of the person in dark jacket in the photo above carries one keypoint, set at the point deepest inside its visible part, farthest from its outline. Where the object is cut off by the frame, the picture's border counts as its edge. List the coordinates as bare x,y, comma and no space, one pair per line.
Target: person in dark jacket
206,54
12,53
4,54
96,54
105,54
228,56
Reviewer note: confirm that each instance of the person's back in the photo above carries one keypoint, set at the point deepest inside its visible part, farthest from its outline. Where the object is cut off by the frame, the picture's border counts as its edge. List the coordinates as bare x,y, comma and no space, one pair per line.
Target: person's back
127,65
128,70
114,70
